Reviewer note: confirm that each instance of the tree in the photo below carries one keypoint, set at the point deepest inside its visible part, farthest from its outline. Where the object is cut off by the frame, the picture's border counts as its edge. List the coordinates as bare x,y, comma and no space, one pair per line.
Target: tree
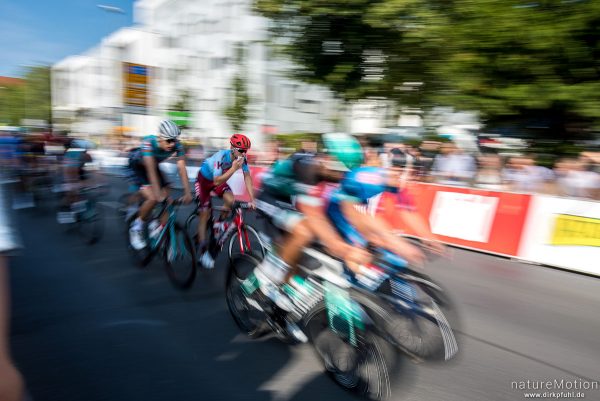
183,103
237,111
507,59
526,62
29,100
349,47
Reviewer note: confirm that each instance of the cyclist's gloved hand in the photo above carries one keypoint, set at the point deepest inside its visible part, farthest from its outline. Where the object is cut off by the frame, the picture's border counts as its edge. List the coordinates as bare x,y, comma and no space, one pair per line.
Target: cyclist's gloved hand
252,205
414,256
160,197
436,247
354,257
186,199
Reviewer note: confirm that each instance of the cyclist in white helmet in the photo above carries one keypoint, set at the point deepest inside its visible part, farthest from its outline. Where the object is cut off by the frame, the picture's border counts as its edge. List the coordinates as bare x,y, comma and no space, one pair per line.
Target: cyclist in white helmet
147,177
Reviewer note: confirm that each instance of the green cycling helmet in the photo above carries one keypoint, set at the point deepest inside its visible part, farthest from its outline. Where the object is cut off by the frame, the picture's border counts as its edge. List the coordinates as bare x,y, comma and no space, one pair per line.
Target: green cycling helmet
345,148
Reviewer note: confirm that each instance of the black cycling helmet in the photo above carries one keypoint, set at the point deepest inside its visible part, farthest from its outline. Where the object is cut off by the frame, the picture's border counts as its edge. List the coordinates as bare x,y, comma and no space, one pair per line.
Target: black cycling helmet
306,168
401,159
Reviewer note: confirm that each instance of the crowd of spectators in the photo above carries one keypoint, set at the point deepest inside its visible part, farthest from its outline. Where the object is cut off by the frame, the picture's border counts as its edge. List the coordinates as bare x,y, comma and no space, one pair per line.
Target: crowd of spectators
446,164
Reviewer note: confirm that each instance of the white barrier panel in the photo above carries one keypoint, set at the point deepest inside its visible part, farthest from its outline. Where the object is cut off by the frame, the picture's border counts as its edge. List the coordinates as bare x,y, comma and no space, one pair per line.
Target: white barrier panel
464,216
563,232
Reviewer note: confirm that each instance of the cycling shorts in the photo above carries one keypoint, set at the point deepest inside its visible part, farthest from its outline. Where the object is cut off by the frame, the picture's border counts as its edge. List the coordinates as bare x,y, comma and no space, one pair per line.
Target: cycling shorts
138,176
204,187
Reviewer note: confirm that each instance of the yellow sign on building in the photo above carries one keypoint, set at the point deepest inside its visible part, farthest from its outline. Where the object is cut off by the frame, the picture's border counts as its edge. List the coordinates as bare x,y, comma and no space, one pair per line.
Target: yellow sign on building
135,87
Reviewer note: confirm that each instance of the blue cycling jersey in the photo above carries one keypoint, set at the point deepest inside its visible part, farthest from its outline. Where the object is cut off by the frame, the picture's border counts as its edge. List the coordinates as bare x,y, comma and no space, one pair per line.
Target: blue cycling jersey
218,163
364,183
359,186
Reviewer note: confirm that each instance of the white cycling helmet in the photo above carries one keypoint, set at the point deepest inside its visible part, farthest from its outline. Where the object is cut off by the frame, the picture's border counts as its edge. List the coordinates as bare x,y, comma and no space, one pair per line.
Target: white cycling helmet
168,130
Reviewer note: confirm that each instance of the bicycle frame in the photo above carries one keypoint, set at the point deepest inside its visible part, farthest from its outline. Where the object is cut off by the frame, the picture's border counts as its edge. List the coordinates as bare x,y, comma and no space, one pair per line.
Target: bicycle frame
156,243
242,233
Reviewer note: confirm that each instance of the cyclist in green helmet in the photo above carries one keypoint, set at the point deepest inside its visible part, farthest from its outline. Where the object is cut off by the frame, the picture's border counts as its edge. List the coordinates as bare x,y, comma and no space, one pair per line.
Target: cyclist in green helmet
292,194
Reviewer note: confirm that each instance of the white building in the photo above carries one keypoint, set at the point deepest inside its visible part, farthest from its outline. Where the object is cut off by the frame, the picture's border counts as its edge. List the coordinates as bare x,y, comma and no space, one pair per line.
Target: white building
191,48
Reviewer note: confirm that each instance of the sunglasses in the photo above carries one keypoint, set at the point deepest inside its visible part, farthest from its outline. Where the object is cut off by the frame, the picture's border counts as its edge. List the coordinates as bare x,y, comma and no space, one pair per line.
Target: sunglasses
240,150
171,140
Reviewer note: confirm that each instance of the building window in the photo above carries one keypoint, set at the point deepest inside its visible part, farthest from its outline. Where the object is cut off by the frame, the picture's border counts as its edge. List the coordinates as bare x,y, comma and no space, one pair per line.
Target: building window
308,106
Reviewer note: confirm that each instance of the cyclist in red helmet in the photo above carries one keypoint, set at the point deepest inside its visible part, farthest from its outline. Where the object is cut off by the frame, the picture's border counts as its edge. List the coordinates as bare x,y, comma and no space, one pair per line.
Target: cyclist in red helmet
213,176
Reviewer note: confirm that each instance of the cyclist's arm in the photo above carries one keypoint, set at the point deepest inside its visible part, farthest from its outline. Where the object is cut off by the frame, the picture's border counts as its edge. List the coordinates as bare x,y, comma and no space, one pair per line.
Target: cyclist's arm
224,177
418,224
183,175
249,185
377,231
322,229
151,167
218,180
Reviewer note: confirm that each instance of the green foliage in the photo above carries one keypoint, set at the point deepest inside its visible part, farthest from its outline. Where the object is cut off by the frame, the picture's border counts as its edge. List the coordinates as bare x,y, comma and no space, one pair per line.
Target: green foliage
29,100
294,141
183,103
502,58
237,111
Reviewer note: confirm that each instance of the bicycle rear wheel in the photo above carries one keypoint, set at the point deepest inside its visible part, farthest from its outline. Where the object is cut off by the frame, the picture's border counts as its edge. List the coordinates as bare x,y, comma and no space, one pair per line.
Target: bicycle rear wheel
180,257
249,320
366,368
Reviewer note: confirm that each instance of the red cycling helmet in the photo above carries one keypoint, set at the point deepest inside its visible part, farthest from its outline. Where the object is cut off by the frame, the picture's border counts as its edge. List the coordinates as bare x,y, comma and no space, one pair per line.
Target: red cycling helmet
240,141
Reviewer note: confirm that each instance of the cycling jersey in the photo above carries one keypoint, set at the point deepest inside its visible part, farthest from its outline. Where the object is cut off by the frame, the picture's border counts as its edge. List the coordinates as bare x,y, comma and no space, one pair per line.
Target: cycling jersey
137,174
359,186
287,181
76,158
219,163
150,147
213,167
283,181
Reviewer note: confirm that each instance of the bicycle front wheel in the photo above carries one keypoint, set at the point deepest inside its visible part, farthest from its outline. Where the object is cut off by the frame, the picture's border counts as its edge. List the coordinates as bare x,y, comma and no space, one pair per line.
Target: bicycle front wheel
245,242
180,257
191,225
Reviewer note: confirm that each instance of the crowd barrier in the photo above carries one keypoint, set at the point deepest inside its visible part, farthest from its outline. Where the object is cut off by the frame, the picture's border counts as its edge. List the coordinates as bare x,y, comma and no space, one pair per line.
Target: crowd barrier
542,229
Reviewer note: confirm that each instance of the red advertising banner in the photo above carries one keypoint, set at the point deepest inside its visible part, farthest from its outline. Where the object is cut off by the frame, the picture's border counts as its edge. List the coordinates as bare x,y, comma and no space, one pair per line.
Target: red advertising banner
485,220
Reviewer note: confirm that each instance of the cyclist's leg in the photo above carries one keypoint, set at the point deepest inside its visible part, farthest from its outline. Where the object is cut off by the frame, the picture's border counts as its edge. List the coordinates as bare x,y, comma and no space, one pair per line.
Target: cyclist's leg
147,192
224,192
282,265
203,188
165,192
148,204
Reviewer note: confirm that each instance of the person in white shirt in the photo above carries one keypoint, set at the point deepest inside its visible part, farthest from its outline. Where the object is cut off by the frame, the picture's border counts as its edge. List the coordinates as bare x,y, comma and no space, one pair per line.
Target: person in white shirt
452,166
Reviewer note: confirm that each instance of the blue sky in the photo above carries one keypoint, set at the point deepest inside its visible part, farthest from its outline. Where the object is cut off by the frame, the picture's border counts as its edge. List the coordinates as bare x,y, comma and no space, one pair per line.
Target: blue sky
46,31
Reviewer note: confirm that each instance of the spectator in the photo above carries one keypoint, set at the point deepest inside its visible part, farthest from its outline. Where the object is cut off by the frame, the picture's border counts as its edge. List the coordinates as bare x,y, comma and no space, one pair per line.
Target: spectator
576,177
489,174
452,166
429,149
523,175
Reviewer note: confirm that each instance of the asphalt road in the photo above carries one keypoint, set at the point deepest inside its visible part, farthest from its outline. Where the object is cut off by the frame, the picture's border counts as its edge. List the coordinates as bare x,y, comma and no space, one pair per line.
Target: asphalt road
88,325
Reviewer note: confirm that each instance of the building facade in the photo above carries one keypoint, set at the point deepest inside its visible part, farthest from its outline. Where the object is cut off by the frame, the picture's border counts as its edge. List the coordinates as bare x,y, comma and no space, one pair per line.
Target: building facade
193,51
